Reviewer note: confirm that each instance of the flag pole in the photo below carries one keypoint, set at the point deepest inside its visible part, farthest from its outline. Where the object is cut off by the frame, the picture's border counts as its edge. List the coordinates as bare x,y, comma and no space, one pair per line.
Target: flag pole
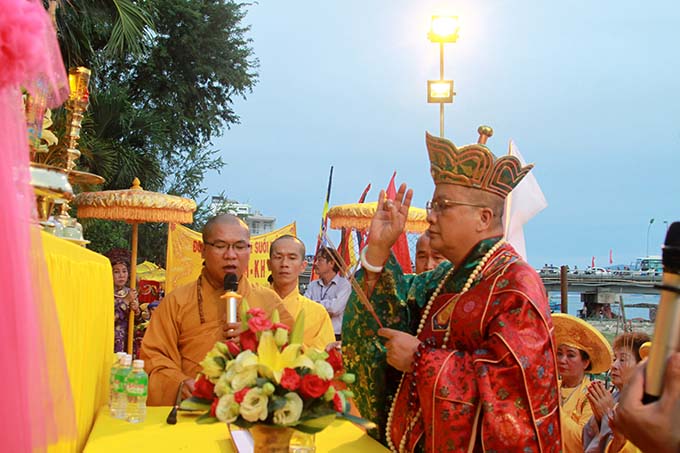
324,218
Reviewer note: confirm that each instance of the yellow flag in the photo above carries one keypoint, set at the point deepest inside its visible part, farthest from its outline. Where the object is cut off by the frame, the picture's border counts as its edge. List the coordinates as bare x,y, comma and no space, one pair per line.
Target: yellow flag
184,261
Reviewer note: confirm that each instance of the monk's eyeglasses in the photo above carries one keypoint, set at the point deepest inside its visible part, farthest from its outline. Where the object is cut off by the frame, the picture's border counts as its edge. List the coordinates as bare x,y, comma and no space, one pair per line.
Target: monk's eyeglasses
438,206
239,247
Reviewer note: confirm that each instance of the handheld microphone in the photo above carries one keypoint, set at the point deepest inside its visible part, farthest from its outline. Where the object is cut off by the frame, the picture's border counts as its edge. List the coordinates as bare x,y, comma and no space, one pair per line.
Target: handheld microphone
231,296
667,327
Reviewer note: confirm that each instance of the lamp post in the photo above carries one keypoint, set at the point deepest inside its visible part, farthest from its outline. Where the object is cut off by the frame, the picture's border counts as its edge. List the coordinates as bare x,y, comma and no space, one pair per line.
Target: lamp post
648,227
665,222
443,29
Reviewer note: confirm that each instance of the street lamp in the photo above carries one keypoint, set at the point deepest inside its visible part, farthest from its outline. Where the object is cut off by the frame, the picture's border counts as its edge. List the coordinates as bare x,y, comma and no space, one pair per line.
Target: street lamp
648,227
443,29
665,222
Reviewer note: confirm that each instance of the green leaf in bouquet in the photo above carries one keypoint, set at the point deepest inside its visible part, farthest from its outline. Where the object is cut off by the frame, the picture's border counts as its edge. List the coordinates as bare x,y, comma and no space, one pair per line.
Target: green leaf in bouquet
296,335
314,425
275,403
261,381
220,361
243,423
206,419
276,317
195,404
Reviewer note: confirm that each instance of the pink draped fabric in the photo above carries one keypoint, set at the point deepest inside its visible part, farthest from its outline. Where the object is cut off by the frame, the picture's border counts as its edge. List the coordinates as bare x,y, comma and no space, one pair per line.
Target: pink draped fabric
37,407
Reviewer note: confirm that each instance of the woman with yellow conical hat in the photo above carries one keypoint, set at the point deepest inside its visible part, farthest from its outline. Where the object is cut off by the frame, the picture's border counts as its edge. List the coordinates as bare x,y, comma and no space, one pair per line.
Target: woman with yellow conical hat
581,349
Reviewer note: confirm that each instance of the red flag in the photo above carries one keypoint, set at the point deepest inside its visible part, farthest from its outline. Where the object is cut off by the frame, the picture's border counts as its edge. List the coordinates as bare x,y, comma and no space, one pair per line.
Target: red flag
400,248
611,257
592,262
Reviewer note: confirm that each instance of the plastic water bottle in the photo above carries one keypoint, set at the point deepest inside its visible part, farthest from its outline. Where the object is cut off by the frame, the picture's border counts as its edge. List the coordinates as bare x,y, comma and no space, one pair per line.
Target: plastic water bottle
112,378
136,387
119,394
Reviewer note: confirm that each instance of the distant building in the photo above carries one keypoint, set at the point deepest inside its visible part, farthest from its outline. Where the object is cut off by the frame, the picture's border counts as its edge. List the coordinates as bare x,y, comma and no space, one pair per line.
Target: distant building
258,223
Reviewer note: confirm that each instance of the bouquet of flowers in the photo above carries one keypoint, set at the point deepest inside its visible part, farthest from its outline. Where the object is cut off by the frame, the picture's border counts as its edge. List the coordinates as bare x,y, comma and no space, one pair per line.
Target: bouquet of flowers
267,378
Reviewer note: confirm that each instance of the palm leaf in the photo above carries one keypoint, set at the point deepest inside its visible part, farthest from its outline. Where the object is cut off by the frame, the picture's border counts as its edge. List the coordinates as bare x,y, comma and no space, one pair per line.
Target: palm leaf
131,28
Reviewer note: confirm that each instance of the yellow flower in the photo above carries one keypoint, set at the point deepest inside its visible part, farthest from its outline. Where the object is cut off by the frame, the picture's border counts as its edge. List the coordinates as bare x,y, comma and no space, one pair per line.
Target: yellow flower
213,364
254,405
290,412
227,409
273,361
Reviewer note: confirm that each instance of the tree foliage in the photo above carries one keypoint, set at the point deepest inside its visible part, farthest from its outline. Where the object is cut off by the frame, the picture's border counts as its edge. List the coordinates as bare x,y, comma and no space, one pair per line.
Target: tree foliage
165,74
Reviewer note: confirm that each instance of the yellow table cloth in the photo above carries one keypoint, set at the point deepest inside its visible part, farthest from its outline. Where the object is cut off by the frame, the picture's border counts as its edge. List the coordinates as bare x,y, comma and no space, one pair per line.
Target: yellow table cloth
82,285
112,435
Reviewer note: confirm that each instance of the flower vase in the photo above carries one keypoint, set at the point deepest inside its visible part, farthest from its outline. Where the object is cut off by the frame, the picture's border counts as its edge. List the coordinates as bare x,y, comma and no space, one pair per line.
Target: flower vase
270,439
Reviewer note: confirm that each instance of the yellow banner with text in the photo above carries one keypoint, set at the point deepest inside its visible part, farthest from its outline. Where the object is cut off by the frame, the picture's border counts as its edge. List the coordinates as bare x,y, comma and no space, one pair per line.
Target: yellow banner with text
184,261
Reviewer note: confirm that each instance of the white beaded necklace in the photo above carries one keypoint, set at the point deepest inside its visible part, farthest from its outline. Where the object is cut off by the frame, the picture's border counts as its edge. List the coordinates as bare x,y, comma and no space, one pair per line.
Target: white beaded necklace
468,283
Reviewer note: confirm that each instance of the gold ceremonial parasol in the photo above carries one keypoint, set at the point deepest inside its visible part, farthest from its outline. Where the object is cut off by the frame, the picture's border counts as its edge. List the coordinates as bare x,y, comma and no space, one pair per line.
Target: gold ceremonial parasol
359,215
135,206
149,271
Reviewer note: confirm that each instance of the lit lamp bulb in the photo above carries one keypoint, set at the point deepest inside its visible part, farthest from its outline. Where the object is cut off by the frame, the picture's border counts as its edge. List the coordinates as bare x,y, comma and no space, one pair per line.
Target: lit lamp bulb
440,91
444,29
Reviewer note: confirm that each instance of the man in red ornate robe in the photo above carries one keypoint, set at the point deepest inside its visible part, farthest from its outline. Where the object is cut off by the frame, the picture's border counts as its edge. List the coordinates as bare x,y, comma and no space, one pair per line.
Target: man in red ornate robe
475,342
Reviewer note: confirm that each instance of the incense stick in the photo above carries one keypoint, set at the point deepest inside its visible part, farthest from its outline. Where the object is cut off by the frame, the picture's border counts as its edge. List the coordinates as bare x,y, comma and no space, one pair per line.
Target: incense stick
361,295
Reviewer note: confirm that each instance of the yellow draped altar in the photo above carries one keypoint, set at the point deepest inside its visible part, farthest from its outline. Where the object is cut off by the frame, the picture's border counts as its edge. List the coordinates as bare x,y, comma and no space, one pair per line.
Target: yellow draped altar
111,435
82,285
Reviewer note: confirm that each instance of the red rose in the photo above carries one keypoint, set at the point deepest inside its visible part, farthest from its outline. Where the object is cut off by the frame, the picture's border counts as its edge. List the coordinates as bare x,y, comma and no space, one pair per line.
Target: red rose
312,386
258,324
337,403
257,313
290,380
213,407
238,396
203,388
234,348
248,340
335,359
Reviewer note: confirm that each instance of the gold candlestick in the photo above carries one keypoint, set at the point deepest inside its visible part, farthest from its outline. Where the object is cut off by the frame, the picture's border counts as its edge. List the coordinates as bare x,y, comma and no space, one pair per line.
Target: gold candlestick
78,100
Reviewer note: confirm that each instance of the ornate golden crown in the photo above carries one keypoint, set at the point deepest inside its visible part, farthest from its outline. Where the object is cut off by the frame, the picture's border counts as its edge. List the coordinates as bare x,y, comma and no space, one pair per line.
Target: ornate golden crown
474,165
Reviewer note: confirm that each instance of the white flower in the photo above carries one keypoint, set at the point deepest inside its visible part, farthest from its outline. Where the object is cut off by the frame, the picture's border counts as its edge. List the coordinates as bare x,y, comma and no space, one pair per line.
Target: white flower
245,378
223,385
244,360
227,409
290,412
323,369
254,405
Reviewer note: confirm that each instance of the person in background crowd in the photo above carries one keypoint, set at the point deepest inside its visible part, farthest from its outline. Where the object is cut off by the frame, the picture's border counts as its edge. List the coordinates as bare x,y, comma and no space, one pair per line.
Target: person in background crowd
654,427
598,437
581,349
331,289
427,258
286,263
124,300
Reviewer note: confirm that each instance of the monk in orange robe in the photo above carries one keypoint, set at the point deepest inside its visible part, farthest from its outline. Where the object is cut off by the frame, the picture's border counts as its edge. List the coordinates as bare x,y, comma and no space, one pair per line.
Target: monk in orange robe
191,319
287,262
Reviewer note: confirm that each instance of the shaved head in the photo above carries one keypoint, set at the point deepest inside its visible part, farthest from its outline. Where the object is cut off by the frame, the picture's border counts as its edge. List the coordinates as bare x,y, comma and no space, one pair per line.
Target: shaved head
223,219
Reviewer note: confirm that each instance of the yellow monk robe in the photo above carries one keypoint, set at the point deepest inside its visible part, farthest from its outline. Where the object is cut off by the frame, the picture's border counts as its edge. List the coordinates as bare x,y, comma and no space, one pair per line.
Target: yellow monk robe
318,327
575,412
179,335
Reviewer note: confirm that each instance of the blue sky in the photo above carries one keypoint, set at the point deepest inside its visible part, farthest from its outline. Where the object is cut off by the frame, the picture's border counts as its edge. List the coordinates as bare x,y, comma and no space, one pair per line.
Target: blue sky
588,90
